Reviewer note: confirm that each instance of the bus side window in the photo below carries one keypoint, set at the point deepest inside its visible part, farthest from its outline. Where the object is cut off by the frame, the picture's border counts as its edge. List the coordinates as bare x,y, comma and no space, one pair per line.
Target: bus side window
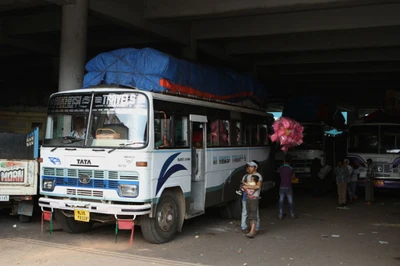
251,134
262,134
213,133
157,133
161,130
224,133
197,135
181,131
235,133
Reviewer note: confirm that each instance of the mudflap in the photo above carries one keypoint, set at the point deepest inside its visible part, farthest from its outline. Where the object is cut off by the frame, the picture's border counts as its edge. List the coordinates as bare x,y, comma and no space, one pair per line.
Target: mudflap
25,207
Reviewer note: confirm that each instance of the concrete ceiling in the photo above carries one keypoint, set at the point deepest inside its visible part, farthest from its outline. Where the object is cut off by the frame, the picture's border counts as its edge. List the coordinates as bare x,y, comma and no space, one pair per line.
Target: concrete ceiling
346,49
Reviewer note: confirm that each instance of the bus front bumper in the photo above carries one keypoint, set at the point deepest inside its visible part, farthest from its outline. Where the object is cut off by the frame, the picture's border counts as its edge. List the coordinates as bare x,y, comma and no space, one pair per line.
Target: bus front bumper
94,207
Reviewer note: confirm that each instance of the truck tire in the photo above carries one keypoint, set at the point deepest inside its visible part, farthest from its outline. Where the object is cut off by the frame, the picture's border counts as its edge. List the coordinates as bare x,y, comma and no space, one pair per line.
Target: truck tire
163,227
68,224
24,218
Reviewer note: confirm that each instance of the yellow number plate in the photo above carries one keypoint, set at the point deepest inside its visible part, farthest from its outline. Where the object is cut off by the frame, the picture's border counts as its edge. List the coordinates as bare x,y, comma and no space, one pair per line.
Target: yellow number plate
82,215
295,180
379,183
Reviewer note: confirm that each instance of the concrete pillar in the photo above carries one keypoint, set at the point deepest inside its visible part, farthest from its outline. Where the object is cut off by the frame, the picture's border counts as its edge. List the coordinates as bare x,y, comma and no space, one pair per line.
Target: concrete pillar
73,45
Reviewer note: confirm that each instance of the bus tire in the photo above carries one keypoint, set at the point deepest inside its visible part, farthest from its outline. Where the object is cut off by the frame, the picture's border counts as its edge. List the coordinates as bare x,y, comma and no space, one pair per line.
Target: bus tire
24,218
163,227
69,225
235,207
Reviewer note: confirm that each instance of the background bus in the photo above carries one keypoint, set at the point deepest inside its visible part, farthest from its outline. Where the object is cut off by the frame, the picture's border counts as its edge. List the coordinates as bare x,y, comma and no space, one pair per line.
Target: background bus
379,141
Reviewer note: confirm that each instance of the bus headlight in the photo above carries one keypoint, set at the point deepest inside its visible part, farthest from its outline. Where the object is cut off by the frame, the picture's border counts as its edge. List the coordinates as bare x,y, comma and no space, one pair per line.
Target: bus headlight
128,190
48,184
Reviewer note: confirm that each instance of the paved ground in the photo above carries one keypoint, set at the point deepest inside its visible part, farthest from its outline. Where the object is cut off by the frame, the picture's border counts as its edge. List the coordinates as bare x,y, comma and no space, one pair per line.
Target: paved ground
323,235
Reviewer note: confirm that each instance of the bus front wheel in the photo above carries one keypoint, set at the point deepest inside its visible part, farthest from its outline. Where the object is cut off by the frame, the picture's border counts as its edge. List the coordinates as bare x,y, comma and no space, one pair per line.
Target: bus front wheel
69,224
162,228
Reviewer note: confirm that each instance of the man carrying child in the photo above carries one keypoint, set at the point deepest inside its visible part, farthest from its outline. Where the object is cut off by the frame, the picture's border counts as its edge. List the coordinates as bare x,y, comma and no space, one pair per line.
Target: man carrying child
251,185
252,200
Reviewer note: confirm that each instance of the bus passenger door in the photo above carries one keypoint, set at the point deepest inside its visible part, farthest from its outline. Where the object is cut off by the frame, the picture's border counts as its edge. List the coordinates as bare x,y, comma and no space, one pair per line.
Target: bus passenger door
198,125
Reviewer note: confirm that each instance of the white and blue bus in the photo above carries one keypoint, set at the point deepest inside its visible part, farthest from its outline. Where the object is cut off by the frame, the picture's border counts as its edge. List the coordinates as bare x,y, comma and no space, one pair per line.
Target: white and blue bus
380,142
160,160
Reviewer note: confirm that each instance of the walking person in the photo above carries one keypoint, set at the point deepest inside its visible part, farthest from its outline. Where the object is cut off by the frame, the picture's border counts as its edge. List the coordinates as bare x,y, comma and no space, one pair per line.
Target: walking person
285,190
342,175
369,183
251,169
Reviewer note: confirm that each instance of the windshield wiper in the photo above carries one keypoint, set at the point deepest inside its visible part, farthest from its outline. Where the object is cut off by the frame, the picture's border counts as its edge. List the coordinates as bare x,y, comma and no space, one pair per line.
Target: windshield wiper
131,143
127,144
67,140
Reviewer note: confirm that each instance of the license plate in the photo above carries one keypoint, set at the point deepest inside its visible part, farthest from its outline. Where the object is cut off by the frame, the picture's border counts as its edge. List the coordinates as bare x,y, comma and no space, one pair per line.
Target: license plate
4,198
379,183
295,180
82,215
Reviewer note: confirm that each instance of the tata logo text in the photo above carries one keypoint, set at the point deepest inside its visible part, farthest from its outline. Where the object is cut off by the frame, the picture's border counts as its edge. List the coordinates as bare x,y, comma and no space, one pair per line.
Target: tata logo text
83,162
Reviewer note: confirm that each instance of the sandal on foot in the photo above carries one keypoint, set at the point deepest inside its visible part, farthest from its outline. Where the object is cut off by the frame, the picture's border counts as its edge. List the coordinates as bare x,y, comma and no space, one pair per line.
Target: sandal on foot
250,235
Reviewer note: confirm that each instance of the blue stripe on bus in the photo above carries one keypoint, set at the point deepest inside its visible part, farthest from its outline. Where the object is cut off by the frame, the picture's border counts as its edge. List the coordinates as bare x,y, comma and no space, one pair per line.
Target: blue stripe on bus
165,173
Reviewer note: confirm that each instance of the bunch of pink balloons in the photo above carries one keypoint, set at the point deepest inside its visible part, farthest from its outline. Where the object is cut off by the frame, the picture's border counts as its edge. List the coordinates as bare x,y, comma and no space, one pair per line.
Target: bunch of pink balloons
287,132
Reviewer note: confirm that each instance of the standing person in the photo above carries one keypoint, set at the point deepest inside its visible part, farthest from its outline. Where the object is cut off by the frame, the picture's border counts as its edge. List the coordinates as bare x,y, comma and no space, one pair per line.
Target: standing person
251,169
350,173
354,179
252,200
287,174
369,182
342,175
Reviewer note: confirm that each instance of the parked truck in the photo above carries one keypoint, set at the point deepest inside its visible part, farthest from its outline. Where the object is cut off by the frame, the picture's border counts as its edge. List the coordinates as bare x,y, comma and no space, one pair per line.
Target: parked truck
19,173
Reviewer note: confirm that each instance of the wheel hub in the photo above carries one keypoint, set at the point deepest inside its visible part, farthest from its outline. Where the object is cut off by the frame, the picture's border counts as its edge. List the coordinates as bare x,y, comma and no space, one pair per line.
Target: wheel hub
165,217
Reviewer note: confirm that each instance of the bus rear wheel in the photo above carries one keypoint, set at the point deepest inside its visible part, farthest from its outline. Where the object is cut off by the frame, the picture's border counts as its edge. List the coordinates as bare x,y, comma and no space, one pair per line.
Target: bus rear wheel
68,223
162,228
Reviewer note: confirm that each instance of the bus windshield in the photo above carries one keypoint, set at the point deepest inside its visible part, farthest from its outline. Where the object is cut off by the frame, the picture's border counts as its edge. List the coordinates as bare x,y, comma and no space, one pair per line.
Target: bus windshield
374,139
99,120
390,139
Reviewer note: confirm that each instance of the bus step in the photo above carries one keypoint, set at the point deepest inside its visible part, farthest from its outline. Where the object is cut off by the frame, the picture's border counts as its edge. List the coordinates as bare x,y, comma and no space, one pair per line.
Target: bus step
194,213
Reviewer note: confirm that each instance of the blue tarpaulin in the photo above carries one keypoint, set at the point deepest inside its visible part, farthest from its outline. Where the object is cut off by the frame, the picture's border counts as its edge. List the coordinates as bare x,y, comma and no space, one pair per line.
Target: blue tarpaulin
152,70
